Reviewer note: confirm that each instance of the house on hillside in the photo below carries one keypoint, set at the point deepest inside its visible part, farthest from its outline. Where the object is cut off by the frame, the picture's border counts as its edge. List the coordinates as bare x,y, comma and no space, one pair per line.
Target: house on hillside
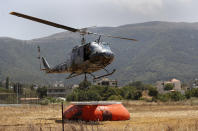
176,84
57,90
106,82
75,86
195,83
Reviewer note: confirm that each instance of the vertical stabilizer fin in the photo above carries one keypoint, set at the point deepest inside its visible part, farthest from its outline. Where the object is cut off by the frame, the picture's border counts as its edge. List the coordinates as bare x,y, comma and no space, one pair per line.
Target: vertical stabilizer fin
45,64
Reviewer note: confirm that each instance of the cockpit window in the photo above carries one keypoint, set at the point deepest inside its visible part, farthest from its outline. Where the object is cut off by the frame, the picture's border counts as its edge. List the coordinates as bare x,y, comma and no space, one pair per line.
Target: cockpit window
92,47
105,45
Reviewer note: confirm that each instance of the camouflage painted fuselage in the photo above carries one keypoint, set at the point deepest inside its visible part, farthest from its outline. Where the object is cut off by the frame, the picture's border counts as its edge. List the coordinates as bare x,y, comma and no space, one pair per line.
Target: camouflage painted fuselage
86,58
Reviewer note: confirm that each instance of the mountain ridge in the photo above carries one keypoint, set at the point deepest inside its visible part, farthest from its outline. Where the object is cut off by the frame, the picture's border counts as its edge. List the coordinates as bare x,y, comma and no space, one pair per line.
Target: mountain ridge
164,50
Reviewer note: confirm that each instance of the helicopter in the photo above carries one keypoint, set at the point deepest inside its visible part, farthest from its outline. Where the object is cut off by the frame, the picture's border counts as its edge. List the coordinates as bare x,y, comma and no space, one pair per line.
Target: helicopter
86,58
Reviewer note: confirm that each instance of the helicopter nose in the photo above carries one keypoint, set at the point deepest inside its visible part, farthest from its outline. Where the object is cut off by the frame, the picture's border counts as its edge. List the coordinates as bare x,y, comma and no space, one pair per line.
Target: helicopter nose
102,58
108,55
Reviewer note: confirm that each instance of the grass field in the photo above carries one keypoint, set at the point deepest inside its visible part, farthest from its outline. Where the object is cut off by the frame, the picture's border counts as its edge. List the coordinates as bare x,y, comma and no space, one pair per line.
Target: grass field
144,117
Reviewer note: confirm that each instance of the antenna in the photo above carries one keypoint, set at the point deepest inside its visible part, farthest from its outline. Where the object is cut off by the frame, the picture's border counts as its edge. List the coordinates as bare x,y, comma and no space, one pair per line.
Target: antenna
99,39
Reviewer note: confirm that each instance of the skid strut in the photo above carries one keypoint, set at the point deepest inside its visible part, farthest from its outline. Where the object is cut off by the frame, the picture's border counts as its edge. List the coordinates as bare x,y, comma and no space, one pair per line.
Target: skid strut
72,75
98,77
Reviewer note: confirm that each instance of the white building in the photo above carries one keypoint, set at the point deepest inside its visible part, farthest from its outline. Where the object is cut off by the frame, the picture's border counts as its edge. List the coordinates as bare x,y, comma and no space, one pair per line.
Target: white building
58,90
58,84
106,82
195,84
176,85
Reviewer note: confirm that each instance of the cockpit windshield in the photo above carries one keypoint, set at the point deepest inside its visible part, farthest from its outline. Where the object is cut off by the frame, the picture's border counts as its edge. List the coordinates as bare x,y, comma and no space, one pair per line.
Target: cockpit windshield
105,45
99,47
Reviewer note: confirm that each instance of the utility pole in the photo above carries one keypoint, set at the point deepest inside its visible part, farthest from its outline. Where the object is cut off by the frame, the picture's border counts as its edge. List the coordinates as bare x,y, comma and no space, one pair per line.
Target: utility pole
62,117
17,93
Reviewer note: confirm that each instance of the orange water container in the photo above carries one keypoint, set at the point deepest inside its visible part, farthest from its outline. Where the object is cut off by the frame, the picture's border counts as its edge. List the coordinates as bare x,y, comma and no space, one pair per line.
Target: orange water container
96,111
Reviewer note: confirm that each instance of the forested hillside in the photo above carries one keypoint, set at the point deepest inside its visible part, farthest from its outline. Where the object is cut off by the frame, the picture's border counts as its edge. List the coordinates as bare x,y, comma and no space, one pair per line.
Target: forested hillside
164,50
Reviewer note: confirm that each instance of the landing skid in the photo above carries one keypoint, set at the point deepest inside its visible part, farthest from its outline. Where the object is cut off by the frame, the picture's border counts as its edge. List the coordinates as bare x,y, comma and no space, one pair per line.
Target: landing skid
98,77
72,75
94,77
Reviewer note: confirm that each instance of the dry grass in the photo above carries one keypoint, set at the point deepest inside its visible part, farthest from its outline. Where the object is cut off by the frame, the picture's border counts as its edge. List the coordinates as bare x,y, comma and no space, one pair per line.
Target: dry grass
144,116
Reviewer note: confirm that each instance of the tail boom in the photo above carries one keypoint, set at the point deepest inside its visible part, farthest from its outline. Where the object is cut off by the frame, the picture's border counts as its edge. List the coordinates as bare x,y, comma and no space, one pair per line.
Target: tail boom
45,64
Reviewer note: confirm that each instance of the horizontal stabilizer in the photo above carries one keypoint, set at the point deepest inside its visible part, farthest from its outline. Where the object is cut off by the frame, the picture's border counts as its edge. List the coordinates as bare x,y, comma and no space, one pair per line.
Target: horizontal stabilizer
45,63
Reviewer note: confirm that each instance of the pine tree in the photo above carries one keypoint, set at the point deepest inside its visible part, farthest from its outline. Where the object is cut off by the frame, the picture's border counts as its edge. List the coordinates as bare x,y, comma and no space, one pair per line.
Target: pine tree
7,82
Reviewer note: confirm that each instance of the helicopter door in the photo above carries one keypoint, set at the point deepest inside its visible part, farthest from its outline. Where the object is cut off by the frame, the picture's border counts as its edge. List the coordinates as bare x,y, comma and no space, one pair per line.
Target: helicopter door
77,55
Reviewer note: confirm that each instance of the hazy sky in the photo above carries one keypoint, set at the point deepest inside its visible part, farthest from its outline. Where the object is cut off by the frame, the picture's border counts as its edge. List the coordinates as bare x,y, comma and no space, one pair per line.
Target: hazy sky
85,13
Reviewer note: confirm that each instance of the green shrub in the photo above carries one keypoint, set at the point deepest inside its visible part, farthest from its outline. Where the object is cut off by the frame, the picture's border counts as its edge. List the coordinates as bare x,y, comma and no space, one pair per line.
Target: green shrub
44,101
164,97
3,90
172,96
51,99
176,96
93,96
168,86
97,93
195,92
188,94
42,92
115,97
191,93
138,85
72,96
153,92
130,93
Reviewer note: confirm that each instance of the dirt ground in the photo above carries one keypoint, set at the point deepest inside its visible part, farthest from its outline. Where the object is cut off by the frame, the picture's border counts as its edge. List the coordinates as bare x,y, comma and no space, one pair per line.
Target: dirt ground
144,116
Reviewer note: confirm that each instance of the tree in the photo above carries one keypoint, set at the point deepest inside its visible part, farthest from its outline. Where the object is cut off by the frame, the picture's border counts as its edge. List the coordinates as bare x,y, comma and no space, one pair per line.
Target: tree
7,82
188,94
85,84
153,92
18,88
176,96
93,95
115,97
131,93
1,85
195,92
164,97
138,85
171,96
137,95
191,93
110,91
168,86
72,96
42,92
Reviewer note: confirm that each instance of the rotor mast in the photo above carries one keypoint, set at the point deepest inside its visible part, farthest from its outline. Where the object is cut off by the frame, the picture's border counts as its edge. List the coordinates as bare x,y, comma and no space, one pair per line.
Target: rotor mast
83,41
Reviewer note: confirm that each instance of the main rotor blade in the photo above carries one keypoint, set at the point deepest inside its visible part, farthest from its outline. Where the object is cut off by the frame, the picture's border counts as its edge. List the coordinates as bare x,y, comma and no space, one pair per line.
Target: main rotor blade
113,36
81,31
44,21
